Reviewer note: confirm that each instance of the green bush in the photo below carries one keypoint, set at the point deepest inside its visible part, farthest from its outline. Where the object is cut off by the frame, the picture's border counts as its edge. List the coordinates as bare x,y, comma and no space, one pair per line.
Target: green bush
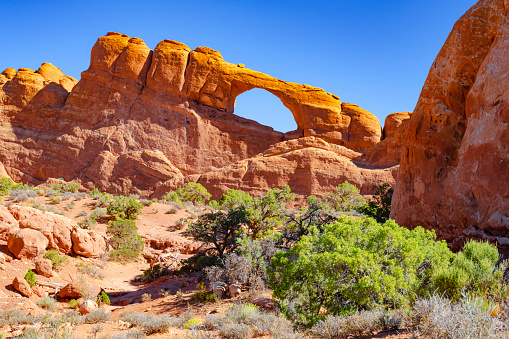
155,272
263,214
204,297
47,303
73,303
474,271
344,197
125,240
379,207
355,263
124,207
193,192
6,184
219,229
30,278
57,260
103,298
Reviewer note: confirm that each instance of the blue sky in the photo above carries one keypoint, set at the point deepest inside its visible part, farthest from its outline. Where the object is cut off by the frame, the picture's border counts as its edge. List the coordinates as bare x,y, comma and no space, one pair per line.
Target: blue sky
376,54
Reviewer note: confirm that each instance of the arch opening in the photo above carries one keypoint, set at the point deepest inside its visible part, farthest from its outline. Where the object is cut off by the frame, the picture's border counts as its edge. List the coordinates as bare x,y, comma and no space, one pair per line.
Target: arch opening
266,109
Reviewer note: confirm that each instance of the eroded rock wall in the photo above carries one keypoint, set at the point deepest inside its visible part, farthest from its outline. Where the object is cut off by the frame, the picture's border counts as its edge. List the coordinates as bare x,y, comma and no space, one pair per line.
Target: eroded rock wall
143,121
454,174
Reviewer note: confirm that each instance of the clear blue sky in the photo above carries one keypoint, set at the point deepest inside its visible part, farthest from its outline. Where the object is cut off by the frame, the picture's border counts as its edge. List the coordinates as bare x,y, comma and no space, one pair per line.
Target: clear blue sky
369,52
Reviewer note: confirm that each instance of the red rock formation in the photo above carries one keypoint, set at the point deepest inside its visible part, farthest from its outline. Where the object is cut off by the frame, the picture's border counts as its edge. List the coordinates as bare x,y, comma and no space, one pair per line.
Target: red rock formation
387,153
142,121
454,173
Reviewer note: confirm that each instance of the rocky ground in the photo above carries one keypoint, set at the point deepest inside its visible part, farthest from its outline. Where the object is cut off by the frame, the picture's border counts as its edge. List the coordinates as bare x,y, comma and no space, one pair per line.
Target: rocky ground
159,226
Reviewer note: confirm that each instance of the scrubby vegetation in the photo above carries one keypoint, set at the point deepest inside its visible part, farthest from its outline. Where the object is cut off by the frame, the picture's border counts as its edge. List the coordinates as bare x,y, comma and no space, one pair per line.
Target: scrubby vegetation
57,260
337,267
125,240
192,192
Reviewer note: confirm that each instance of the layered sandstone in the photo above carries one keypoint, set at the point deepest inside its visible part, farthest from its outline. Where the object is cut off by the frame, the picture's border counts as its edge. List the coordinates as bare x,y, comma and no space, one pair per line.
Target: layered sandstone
143,121
454,170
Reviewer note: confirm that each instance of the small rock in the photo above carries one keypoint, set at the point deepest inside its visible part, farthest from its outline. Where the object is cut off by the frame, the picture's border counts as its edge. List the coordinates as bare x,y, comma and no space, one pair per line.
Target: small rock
22,286
27,243
88,306
43,267
235,290
75,290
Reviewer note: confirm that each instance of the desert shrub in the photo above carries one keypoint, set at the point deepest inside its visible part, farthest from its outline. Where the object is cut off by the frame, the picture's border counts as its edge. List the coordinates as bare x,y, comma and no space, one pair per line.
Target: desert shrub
99,212
235,331
30,278
72,317
474,270
163,293
151,323
198,262
379,206
95,193
15,316
97,316
90,270
355,263
263,213
212,321
103,298
344,197
131,334
193,324
439,317
247,266
146,297
73,303
82,214
57,260
204,297
124,207
88,223
155,272
193,192
125,240
70,187
146,202
219,229
47,303
246,321
6,184
172,210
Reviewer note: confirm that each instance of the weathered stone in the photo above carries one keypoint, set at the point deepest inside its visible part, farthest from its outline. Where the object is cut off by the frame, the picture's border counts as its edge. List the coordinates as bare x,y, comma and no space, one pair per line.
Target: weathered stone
22,286
88,306
44,267
27,243
76,290
454,166
88,243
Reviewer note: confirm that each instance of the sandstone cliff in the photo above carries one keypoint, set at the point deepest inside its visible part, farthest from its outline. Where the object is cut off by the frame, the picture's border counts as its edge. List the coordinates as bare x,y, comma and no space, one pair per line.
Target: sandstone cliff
143,121
454,174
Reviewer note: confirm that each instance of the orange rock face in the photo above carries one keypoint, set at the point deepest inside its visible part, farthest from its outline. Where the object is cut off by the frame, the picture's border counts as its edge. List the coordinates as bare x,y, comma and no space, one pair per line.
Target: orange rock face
143,121
454,173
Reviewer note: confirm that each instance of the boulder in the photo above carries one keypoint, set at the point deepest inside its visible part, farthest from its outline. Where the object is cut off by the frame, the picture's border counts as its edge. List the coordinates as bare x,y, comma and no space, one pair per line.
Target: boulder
44,267
235,290
27,243
88,306
22,286
76,290
88,243
56,228
8,224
